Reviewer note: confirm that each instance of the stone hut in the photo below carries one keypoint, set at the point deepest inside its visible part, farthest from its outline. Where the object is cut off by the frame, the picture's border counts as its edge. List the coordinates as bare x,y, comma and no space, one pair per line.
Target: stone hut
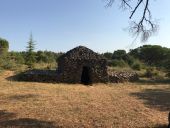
82,65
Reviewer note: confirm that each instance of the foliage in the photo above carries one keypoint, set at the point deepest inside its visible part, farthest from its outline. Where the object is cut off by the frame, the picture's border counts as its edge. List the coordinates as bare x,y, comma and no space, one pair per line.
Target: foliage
151,72
43,60
18,57
167,65
152,55
141,58
119,54
137,59
47,56
7,63
130,60
4,46
30,53
108,55
118,63
136,66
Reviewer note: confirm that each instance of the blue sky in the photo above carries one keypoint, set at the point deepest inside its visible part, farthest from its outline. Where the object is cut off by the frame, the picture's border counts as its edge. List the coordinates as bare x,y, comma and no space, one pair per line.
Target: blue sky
59,25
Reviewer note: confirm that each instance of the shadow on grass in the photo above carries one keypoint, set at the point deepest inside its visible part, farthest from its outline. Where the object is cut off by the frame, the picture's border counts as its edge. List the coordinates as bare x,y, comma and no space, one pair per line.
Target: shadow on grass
155,98
7,120
22,97
161,126
4,115
27,123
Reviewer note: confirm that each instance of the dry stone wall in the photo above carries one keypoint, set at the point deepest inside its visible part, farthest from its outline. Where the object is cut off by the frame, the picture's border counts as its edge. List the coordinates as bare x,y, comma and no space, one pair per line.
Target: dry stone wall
119,77
38,76
70,66
53,77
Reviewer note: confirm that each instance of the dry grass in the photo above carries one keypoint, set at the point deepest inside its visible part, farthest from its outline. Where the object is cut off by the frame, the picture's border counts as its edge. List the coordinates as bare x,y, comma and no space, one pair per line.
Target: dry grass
32,105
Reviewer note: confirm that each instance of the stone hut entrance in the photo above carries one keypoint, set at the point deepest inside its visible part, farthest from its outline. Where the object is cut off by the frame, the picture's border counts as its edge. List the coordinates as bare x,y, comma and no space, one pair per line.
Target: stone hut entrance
82,65
86,76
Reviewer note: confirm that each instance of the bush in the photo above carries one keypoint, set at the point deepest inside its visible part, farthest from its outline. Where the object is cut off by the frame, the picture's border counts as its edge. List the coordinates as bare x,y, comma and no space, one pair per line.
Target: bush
108,55
8,64
17,57
118,63
119,54
151,72
4,46
130,60
136,66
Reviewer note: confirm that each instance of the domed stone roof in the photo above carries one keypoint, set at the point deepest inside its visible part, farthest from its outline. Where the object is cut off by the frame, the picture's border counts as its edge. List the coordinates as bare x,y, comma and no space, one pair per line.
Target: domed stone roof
81,53
82,65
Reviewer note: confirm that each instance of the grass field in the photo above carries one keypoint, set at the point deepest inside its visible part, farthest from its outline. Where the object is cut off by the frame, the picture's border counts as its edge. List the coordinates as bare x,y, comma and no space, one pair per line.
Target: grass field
32,105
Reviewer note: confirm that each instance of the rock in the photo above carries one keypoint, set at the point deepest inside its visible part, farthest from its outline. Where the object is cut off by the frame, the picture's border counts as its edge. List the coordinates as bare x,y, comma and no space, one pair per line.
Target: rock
38,76
119,77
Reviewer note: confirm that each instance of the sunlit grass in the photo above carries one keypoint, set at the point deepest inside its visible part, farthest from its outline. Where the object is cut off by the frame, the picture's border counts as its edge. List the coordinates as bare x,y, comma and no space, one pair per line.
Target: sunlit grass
100,105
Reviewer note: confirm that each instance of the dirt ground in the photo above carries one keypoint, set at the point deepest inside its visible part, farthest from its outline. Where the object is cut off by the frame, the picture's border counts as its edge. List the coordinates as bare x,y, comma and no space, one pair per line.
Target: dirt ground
42,105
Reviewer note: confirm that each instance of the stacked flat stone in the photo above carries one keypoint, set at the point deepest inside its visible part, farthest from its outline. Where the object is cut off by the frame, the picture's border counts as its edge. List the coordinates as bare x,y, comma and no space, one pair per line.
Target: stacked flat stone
119,77
70,66
38,76
81,53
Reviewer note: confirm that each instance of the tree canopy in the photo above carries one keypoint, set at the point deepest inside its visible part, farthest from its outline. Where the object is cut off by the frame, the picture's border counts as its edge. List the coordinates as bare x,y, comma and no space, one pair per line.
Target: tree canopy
4,45
30,52
151,54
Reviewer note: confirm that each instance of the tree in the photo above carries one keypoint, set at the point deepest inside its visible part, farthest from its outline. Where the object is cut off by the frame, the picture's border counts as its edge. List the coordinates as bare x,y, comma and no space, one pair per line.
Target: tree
108,55
119,54
30,56
4,46
145,26
153,55
17,57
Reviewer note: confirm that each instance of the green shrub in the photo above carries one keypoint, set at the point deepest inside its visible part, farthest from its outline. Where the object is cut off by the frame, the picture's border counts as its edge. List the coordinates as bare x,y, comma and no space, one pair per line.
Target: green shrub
108,55
151,72
118,63
17,57
4,46
119,54
130,60
136,66
8,65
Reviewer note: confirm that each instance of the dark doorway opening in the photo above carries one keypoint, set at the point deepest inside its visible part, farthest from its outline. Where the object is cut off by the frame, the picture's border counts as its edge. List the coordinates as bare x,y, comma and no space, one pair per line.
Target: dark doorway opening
85,77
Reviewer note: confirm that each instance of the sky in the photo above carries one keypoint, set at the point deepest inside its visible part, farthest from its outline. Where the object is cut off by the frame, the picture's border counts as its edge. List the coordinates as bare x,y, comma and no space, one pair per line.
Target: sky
60,25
